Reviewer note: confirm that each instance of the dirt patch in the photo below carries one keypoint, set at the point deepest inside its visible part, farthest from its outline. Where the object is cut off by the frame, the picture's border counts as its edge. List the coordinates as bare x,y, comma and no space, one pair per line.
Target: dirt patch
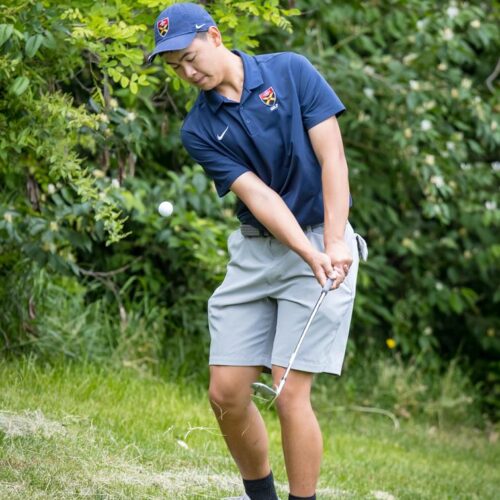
196,481
174,481
383,495
29,423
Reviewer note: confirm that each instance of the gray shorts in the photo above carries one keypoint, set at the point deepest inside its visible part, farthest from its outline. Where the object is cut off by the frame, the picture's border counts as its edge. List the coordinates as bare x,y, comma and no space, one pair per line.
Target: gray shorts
257,314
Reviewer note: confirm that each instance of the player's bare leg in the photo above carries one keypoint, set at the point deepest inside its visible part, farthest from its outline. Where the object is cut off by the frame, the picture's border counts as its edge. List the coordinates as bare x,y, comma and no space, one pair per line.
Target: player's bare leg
239,419
300,432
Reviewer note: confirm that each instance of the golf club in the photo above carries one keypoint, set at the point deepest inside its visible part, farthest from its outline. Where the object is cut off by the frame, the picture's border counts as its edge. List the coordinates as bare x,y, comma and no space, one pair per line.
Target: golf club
270,394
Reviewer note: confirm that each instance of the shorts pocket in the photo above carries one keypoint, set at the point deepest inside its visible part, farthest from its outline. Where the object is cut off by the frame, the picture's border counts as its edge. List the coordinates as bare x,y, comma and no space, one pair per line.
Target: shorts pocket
233,241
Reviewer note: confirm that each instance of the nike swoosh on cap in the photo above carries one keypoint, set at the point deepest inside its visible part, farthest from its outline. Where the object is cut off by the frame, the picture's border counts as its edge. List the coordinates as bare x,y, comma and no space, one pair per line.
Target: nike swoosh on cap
220,137
198,26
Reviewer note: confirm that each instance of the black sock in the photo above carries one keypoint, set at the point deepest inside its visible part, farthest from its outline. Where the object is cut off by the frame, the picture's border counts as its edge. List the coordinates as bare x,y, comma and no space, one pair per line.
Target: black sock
293,497
261,489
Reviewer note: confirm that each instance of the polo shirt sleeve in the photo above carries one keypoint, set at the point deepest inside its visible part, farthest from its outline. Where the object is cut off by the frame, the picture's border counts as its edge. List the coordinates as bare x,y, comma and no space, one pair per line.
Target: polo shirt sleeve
220,167
318,101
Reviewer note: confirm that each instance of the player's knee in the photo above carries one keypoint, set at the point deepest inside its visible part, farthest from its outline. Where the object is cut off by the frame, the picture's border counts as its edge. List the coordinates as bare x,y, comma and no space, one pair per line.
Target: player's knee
225,396
289,403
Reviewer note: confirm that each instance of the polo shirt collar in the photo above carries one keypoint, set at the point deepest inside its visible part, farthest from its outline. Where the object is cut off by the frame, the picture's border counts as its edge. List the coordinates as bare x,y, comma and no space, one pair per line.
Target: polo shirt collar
252,80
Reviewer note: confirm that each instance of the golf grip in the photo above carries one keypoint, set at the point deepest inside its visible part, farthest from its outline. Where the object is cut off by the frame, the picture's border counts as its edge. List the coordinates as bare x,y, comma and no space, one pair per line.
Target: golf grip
328,285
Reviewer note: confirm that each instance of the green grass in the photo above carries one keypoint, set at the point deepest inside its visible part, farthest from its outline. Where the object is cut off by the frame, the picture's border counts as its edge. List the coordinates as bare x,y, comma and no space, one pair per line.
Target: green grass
84,432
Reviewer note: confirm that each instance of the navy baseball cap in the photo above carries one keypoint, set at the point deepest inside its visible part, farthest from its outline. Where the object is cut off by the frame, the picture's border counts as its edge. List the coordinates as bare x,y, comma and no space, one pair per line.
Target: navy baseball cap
176,27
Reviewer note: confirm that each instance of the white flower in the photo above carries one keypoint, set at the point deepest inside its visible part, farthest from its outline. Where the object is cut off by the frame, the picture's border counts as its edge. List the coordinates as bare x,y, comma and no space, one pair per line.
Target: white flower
53,226
115,183
466,83
421,24
369,92
409,58
369,70
491,205
427,330
496,166
429,104
414,85
442,66
51,189
494,125
430,160
113,103
130,117
363,117
425,125
452,12
454,93
476,23
8,217
408,133
103,117
447,34
98,173
439,286
465,166
437,180
450,145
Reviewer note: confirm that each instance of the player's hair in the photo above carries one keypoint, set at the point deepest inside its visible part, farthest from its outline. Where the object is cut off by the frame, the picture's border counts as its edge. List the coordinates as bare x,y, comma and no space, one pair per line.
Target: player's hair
202,35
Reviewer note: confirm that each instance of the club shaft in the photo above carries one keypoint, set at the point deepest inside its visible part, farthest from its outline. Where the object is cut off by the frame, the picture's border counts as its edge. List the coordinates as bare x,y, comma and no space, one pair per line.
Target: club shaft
299,343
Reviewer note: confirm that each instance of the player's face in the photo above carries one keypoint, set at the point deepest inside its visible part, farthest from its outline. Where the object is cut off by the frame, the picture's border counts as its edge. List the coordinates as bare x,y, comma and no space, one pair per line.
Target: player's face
197,64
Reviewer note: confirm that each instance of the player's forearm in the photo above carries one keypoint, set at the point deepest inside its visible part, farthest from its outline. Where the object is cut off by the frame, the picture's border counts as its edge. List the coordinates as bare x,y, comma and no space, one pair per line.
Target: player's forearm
271,211
335,182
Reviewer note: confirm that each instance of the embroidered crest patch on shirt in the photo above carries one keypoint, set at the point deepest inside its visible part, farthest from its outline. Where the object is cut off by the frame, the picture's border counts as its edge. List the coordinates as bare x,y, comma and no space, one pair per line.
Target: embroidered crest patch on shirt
162,26
269,98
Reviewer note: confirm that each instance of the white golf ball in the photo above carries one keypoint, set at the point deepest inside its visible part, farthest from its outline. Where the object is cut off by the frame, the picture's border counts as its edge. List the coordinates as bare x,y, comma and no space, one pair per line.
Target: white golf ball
165,208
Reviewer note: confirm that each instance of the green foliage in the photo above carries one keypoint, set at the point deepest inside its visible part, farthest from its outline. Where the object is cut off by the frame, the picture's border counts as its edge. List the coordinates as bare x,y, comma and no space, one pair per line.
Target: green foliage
65,66
151,297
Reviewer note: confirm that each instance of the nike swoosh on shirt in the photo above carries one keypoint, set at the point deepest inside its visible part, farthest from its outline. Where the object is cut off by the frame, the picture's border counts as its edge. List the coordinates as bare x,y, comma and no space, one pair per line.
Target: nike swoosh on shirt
198,26
220,137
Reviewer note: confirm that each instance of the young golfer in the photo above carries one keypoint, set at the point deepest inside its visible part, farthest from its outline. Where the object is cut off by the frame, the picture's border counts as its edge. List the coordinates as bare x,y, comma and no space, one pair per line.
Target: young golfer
265,127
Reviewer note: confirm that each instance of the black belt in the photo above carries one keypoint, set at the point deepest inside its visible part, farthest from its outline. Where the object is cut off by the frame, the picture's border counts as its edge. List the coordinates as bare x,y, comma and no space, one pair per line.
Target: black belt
250,231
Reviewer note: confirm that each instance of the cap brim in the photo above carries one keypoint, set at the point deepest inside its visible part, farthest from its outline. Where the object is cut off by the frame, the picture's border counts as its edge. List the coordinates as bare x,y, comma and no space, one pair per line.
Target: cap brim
176,43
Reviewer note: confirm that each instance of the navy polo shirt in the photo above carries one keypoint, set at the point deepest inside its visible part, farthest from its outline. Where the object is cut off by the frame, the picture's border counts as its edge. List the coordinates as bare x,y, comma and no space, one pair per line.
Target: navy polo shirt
266,132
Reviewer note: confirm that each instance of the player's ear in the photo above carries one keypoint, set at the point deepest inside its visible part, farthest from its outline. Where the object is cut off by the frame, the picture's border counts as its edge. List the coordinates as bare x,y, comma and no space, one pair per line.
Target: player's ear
214,36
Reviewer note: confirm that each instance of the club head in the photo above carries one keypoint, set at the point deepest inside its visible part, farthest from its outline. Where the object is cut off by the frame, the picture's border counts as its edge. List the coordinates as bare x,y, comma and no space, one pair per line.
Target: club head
264,391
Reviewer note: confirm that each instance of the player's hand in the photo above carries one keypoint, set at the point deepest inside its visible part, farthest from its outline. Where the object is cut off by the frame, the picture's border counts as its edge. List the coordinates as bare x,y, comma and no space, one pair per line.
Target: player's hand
341,260
321,265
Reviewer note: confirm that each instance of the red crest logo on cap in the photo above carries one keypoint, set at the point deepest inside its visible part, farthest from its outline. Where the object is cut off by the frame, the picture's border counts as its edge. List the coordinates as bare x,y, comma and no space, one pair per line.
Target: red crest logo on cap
268,97
162,26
